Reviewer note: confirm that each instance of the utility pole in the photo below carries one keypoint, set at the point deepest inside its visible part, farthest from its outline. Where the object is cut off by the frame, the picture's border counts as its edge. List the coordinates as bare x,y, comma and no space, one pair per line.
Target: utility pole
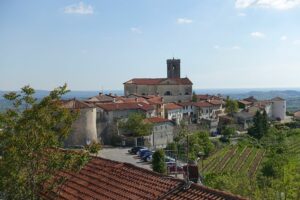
187,157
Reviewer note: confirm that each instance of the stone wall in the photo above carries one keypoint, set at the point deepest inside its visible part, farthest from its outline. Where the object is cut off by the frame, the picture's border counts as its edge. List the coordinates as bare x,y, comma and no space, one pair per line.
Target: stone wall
162,134
171,93
84,128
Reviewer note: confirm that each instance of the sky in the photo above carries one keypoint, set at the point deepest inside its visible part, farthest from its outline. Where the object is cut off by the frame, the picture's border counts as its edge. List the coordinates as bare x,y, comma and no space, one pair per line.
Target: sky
100,44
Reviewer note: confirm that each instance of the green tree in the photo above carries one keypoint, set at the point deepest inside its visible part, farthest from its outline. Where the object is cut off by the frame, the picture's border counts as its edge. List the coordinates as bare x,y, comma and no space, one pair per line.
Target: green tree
94,147
260,125
231,106
227,132
194,97
158,161
136,125
31,132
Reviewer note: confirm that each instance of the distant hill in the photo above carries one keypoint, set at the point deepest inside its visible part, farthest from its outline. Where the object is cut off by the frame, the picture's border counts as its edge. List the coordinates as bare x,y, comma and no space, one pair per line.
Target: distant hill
292,96
4,104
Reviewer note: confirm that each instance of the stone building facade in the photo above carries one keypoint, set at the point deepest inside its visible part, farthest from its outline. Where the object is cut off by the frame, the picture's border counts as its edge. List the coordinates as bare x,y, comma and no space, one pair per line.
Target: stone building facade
162,132
84,128
172,89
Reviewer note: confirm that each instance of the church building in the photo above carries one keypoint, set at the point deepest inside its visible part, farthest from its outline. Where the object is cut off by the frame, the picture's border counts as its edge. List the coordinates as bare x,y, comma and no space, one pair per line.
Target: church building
172,89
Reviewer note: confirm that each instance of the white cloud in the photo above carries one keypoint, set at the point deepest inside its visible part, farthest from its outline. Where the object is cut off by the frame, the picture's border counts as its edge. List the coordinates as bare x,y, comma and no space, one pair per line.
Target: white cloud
241,14
216,47
296,42
136,30
257,35
283,38
184,21
276,4
236,48
80,8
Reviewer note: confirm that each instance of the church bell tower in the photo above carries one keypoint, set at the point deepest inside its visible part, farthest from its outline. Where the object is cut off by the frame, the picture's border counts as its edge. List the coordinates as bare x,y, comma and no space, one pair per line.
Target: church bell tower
173,68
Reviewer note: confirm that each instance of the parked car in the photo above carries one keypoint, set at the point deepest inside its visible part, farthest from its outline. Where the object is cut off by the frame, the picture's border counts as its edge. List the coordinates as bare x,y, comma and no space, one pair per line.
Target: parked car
134,150
171,167
169,159
141,152
148,158
146,154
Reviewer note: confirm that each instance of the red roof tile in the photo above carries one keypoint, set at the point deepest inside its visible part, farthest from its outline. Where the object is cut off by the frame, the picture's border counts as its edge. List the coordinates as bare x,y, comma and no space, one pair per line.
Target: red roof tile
203,104
245,102
105,179
172,106
216,102
277,99
75,104
186,103
203,96
297,114
125,106
157,120
158,81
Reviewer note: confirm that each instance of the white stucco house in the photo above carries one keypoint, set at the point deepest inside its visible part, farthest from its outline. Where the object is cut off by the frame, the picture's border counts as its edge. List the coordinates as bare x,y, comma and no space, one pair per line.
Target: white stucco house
173,112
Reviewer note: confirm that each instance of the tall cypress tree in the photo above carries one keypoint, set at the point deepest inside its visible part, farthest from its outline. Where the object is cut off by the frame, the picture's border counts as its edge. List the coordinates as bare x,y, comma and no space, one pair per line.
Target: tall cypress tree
260,125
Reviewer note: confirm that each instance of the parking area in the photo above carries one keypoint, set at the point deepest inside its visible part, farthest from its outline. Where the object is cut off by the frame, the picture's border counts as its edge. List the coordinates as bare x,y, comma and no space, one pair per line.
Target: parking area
122,155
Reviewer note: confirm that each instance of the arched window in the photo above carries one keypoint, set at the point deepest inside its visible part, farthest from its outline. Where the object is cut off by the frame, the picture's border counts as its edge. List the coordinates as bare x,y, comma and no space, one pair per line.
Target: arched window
168,93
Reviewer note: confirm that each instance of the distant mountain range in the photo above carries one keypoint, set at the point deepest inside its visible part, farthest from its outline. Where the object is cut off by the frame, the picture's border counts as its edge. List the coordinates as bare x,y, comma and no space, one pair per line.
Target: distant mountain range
292,96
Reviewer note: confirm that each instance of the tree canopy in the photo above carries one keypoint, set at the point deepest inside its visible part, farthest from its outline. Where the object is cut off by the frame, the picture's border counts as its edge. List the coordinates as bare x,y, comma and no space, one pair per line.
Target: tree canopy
231,106
136,125
260,125
31,133
158,161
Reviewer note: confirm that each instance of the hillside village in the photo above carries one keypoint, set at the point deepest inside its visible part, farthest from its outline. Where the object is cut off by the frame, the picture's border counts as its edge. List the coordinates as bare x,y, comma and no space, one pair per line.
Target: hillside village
166,103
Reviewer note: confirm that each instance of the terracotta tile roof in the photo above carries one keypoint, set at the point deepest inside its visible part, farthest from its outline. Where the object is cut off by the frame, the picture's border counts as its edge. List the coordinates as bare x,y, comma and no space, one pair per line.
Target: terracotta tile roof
125,106
203,104
198,192
277,99
131,100
297,114
245,102
216,102
157,120
250,99
75,104
160,81
186,103
172,106
101,98
155,100
105,179
203,96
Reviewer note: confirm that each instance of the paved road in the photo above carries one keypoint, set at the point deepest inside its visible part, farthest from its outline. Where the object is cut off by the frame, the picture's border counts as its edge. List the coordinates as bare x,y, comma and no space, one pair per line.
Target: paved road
122,155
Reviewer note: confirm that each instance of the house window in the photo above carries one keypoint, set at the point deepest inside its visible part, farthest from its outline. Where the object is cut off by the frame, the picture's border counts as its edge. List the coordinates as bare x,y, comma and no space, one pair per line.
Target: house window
168,93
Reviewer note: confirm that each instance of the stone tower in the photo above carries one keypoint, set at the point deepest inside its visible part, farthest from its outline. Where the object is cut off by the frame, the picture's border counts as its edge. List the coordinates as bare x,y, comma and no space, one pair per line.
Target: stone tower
173,67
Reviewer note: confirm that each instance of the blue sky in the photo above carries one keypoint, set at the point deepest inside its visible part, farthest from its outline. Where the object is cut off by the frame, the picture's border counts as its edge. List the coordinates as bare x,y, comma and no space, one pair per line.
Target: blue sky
94,45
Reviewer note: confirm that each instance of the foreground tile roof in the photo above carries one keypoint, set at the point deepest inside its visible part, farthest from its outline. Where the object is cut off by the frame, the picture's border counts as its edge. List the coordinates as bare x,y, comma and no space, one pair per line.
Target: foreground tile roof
105,179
